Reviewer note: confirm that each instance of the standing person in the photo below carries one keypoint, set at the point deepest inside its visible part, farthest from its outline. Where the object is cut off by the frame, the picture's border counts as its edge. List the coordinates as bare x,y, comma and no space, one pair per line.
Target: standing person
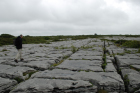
18,44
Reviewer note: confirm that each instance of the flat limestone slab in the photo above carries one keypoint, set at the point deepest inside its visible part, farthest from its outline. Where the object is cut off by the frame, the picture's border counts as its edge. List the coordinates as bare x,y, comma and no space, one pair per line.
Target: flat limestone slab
4,67
38,85
94,65
110,67
6,85
136,66
86,57
134,80
133,77
40,65
110,81
14,72
130,56
127,62
115,51
88,53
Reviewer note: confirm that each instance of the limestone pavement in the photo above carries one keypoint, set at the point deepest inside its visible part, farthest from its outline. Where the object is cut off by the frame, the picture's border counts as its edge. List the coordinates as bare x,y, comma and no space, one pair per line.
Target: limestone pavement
75,66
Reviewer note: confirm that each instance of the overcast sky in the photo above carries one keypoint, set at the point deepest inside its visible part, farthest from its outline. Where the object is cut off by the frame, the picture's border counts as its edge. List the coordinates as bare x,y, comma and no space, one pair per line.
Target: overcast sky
69,17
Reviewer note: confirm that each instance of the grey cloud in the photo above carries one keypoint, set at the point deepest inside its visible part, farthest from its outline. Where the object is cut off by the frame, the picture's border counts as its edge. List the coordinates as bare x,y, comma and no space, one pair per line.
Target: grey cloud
136,2
45,17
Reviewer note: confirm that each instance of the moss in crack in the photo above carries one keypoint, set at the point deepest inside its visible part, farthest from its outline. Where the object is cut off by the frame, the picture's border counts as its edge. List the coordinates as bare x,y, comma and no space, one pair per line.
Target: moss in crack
104,65
74,49
65,57
86,47
4,50
134,68
121,54
19,80
29,73
126,82
56,64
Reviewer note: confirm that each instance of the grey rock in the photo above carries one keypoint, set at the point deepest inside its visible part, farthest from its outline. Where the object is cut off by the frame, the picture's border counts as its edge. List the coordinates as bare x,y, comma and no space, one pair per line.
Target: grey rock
127,62
136,66
115,51
130,56
134,80
94,65
6,85
40,65
53,85
86,57
39,54
127,71
88,53
108,61
133,77
110,68
14,72
108,80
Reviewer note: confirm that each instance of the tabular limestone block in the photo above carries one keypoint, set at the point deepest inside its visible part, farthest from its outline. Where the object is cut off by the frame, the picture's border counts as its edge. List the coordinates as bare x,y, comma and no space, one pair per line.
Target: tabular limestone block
136,66
133,77
115,51
126,62
110,68
88,53
14,72
38,85
94,65
6,84
41,65
128,56
110,81
39,55
86,57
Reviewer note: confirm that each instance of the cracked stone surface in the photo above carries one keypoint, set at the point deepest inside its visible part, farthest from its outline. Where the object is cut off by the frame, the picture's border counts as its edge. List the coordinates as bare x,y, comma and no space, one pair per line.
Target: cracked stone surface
6,84
110,81
55,68
94,65
55,85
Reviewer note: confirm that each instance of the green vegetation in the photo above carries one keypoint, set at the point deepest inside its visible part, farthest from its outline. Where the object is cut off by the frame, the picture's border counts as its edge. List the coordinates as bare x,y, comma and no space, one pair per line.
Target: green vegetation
126,80
61,47
139,50
29,73
121,54
74,49
127,43
4,50
87,47
134,68
7,39
19,80
56,64
104,60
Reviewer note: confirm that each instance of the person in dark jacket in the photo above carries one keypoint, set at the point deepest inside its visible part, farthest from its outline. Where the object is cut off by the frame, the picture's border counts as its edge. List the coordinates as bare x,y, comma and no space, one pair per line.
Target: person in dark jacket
18,44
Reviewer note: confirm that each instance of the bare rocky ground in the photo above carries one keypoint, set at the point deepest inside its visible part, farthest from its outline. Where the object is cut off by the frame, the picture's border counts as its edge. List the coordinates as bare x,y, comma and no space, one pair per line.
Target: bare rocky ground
76,66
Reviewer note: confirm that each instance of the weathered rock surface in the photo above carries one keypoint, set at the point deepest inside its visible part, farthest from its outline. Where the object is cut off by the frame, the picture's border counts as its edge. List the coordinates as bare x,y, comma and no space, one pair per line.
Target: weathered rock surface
74,66
78,65
14,72
6,85
110,68
54,85
109,81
